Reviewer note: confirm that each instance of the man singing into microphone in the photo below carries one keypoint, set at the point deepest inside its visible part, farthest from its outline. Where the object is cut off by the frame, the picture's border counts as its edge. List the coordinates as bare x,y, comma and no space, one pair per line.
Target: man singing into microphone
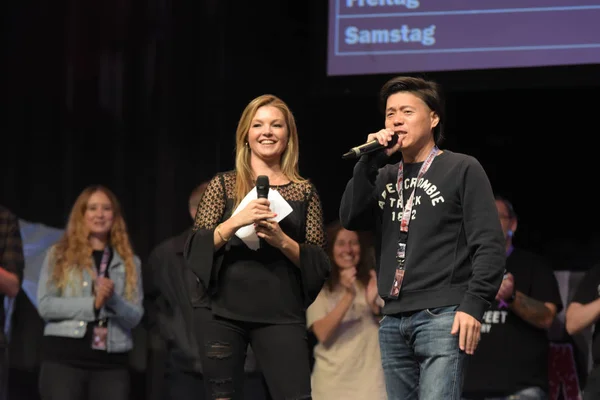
440,250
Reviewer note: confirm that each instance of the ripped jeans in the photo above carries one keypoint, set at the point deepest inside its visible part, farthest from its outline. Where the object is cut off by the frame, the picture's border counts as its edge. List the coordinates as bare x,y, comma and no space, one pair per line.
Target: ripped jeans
281,352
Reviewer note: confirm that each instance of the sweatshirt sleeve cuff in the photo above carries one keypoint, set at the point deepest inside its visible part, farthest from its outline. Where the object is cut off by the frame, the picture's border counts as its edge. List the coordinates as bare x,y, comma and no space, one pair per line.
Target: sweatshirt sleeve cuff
474,306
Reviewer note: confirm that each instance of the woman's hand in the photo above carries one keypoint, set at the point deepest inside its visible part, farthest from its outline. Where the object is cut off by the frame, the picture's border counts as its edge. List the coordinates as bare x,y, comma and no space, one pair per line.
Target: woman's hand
348,279
257,210
270,230
104,288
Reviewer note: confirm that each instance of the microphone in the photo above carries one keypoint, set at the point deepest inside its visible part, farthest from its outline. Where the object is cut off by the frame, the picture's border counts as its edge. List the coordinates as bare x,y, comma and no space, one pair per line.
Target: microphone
368,147
262,192
262,187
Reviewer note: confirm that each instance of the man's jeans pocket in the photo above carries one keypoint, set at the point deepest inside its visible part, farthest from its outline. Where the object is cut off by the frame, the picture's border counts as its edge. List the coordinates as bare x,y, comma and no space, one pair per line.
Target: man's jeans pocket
441,311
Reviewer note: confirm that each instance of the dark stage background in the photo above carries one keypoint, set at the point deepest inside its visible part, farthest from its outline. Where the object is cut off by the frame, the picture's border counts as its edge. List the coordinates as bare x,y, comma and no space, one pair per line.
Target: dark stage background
144,97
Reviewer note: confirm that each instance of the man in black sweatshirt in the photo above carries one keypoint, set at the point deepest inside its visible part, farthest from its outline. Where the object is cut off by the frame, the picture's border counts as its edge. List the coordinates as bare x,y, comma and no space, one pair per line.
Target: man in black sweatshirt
440,249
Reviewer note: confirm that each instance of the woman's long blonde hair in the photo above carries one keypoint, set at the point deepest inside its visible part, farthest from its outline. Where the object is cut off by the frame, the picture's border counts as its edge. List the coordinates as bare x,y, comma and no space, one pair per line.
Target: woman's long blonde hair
74,252
289,159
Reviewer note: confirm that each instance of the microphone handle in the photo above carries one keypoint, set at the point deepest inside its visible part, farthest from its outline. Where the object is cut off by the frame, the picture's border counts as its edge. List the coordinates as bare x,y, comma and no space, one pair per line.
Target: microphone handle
368,147
260,194
357,151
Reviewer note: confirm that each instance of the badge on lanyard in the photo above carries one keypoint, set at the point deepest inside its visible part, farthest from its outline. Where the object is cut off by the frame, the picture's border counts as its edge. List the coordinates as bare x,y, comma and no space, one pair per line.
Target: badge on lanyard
399,274
99,336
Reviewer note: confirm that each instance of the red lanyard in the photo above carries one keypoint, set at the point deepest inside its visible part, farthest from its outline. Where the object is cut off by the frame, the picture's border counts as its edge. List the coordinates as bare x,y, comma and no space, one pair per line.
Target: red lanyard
406,209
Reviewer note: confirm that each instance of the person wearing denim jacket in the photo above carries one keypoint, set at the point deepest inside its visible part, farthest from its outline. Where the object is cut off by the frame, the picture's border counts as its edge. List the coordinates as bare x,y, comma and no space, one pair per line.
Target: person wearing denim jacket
90,297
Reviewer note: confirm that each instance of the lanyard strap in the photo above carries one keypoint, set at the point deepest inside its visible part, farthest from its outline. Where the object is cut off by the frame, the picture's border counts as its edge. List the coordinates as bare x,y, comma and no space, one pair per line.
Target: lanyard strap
102,272
104,262
406,209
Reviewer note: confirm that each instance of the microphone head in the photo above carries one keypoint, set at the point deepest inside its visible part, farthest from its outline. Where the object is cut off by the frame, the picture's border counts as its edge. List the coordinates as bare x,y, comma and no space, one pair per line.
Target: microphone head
262,187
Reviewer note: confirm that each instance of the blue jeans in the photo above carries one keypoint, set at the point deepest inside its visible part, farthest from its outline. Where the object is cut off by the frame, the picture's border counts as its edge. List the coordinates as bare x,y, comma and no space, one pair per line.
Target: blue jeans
420,358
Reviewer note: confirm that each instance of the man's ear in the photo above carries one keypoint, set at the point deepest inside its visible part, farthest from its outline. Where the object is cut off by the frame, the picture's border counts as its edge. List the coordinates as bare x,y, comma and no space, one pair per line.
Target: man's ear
435,119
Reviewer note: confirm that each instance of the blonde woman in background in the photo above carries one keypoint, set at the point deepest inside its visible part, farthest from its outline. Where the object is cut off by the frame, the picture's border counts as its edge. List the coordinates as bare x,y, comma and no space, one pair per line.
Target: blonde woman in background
344,318
90,296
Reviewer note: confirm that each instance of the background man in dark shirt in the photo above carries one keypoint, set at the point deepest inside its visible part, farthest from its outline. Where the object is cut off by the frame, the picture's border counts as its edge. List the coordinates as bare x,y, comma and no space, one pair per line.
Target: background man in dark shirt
179,315
171,311
512,358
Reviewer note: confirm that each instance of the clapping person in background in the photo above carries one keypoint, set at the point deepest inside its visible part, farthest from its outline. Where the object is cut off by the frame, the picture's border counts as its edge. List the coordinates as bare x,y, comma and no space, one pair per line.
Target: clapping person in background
90,297
345,320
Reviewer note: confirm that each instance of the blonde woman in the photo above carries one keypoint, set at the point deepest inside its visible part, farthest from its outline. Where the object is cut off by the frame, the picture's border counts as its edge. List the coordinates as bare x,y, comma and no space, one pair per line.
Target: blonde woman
259,296
90,296
344,318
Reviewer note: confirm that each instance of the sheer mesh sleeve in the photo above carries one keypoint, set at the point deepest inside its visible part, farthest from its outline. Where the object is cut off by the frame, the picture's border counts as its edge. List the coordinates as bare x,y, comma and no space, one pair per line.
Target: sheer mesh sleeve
199,250
212,206
314,262
315,231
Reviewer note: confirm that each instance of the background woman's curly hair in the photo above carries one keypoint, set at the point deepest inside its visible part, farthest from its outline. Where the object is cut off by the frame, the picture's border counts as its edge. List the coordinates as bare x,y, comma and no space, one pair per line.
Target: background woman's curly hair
74,252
